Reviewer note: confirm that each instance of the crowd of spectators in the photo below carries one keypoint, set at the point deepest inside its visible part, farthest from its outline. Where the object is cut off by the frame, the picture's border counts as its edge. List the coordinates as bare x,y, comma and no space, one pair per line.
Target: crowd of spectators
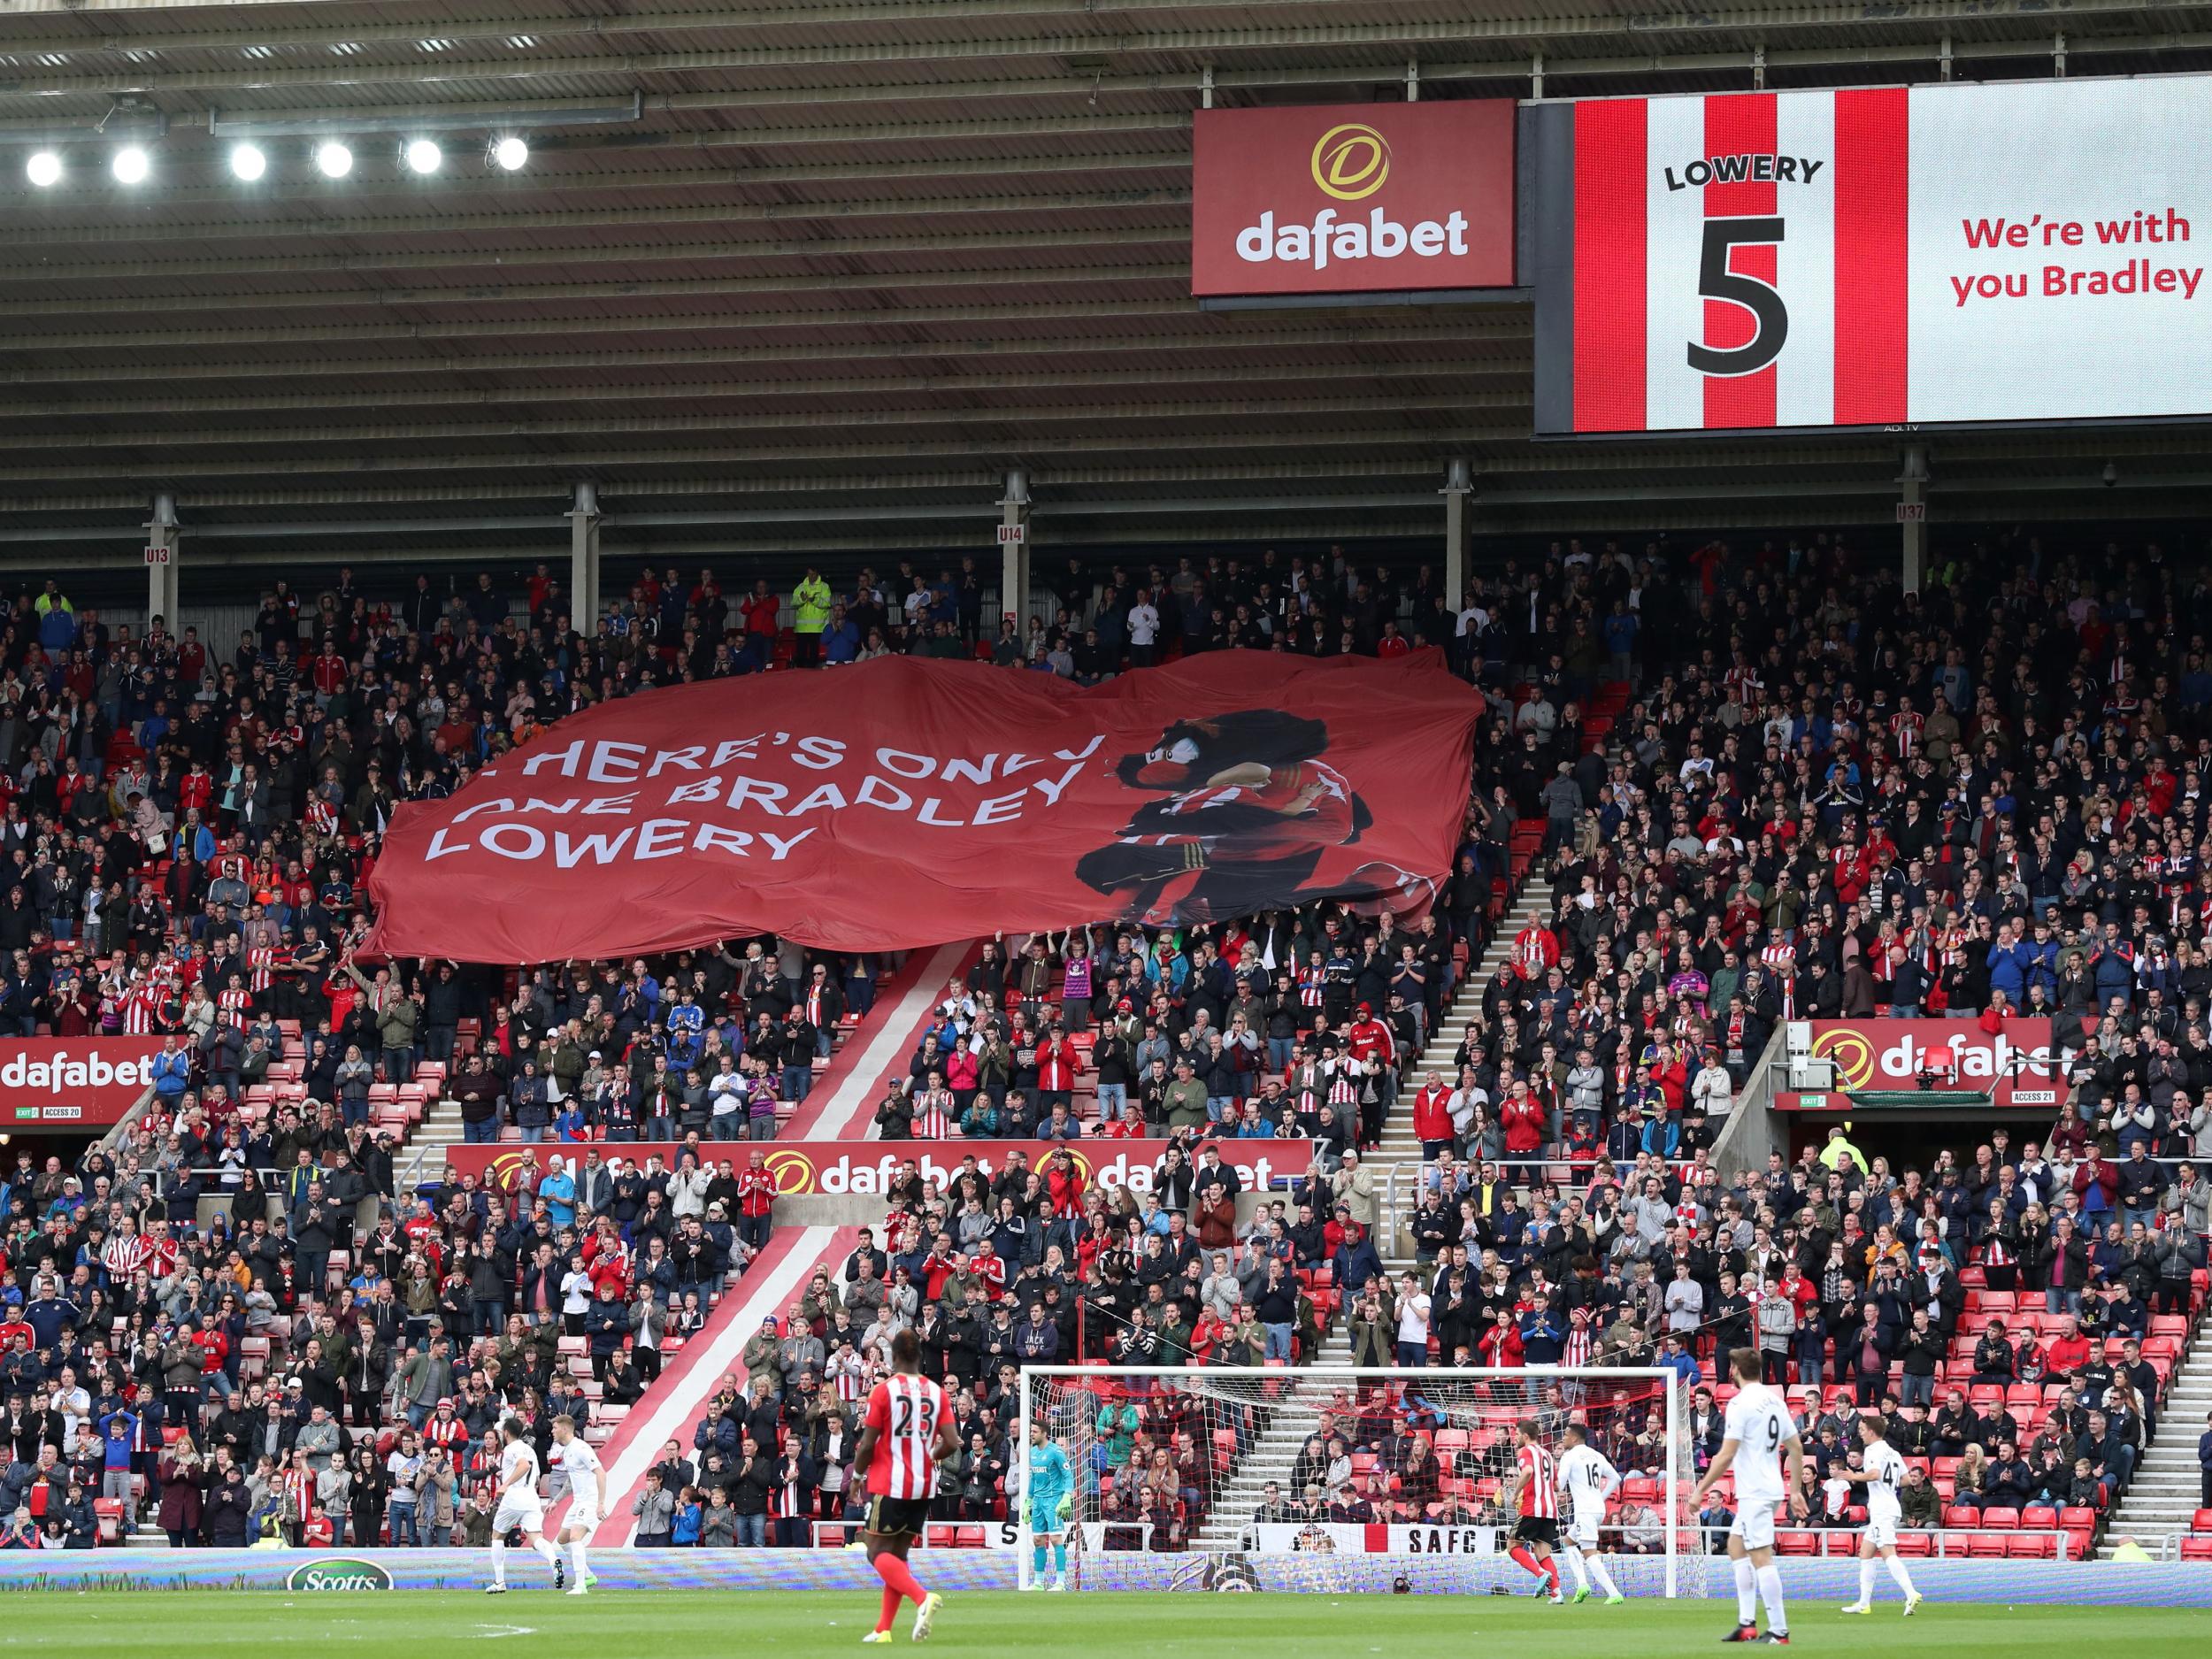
191,830
1815,794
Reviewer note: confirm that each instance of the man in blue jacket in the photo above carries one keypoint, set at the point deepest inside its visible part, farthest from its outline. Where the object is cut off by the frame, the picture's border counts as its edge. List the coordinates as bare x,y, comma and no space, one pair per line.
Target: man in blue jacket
172,1072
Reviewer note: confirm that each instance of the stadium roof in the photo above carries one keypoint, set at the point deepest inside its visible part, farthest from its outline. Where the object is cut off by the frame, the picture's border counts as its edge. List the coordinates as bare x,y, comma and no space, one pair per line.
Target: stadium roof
818,274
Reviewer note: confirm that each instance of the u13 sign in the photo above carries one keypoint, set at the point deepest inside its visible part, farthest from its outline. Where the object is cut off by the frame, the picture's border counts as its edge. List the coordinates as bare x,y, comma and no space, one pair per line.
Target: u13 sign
1353,198
1875,256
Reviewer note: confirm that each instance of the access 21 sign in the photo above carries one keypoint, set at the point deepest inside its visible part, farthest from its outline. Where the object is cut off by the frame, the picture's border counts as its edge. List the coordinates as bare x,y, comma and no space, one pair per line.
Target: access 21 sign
1874,257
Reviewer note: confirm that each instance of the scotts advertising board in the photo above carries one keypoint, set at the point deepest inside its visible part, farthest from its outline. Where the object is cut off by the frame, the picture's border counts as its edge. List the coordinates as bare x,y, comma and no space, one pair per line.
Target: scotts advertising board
72,1082
2019,1066
1883,257
902,802
867,1168
1353,198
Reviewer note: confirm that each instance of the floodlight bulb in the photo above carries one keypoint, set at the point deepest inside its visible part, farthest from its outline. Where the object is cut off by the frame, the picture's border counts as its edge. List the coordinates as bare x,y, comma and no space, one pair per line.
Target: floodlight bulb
249,162
43,169
422,155
509,154
131,165
334,160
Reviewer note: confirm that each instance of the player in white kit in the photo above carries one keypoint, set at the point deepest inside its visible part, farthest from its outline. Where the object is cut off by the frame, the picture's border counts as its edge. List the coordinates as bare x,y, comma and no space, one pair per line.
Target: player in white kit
1759,1442
587,1476
520,1507
1883,1475
1589,1482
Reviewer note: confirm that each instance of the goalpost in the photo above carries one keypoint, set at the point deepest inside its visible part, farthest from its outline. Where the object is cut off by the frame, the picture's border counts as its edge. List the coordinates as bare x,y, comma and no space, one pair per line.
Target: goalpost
1174,1468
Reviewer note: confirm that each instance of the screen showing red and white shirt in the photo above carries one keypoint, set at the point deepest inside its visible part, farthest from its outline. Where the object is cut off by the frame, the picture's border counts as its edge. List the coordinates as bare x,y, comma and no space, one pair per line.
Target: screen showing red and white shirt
1540,1493
904,1411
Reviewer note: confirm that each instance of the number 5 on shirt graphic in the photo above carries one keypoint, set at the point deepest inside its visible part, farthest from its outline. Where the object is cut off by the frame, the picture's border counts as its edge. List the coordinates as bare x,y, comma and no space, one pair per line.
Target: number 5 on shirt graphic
1716,281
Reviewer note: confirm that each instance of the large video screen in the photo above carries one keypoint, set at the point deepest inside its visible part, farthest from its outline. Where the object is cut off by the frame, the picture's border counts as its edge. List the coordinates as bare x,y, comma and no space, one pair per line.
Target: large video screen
1875,256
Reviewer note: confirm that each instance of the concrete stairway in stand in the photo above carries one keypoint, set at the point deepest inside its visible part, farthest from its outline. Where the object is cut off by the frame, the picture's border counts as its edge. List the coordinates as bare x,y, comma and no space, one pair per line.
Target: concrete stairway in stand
2163,1497
1398,1148
1270,1458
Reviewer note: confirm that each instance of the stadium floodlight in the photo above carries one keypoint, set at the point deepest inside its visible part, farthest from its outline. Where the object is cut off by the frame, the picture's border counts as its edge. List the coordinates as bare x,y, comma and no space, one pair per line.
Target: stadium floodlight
131,165
333,159
43,169
249,162
422,155
509,154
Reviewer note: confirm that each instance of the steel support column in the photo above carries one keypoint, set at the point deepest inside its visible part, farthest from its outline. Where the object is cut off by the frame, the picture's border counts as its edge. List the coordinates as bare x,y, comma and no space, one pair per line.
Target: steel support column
1013,536
1912,514
583,561
1458,486
162,553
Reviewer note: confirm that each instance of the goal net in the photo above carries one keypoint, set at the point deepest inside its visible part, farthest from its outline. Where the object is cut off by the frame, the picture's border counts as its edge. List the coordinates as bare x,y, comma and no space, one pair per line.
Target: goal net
1343,1478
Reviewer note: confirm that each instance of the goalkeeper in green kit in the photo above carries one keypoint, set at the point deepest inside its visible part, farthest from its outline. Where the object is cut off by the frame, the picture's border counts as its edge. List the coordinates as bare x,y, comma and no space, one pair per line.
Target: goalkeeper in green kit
1050,1494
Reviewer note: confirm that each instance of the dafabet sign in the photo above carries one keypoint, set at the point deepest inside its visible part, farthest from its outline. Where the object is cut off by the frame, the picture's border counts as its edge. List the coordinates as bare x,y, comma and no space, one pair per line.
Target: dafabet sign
1353,199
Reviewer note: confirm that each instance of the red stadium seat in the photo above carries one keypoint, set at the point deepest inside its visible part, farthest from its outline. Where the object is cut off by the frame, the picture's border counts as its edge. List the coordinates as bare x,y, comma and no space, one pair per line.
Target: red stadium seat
1914,1543
1987,1546
2030,1546
2196,1548
2002,1520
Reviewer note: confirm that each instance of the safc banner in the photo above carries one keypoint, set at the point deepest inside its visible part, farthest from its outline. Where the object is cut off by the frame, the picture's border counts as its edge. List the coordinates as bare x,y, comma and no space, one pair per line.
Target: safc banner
1373,1538
868,1167
1353,199
903,802
2020,1066
1874,257
80,1082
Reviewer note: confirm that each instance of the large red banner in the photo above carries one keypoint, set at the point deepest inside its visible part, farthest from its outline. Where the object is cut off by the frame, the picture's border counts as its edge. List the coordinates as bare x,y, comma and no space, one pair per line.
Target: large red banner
2018,1066
81,1082
904,803
867,1168
1353,199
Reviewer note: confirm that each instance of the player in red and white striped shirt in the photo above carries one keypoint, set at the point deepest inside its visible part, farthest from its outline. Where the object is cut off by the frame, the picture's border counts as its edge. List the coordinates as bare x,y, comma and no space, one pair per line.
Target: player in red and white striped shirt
1535,1488
907,1433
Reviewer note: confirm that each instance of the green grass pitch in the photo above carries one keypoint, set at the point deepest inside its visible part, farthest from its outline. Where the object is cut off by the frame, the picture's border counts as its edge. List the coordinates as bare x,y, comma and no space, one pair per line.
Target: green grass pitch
708,1625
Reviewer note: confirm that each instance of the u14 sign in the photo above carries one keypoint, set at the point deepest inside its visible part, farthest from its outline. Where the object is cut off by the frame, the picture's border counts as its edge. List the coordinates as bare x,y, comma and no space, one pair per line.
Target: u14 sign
1353,198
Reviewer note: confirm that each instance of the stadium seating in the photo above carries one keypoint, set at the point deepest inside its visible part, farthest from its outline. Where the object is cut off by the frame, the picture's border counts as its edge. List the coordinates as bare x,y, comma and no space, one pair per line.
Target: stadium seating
1641,808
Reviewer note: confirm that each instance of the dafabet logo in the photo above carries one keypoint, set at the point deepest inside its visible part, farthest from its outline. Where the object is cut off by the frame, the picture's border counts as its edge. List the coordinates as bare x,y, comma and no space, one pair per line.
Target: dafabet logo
1351,161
